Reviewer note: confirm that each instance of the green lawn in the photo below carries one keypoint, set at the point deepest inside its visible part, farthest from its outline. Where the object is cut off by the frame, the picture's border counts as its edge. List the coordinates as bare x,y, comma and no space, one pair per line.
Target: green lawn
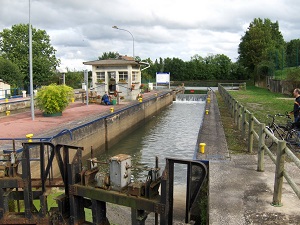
262,102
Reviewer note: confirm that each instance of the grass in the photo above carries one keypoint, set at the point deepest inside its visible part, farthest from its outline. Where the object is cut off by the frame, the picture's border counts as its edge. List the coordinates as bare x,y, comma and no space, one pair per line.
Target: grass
262,102
258,101
235,142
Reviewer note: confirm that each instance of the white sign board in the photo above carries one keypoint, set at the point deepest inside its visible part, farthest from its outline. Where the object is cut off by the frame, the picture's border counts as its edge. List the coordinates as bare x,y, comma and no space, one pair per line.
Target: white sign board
162,78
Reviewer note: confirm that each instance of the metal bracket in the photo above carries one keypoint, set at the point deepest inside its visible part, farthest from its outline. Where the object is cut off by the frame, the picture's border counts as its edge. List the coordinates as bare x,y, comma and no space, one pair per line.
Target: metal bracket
72,190
159,208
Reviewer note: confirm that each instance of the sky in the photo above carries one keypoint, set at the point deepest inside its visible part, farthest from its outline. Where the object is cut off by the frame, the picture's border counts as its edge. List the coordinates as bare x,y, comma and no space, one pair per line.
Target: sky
82,31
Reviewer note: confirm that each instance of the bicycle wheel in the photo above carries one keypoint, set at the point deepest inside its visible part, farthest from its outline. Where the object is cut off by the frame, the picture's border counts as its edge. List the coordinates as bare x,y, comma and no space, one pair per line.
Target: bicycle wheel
293,137
279,133
268,140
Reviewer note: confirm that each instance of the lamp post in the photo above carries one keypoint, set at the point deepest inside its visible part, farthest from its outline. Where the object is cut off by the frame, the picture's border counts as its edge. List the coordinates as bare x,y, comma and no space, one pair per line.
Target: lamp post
115,27
30,68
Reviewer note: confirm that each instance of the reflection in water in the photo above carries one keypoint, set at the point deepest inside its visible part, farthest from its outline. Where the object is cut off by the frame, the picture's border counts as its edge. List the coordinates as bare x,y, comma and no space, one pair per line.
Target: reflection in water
172,133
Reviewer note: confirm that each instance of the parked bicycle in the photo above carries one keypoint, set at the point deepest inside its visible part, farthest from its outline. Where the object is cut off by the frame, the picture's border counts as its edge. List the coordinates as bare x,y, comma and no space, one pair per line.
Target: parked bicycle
287,131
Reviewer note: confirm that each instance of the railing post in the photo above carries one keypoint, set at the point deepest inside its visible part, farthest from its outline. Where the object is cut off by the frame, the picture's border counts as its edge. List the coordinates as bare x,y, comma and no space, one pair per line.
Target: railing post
261,149
232,106
235,115
279,173
243,123
250,133
239,117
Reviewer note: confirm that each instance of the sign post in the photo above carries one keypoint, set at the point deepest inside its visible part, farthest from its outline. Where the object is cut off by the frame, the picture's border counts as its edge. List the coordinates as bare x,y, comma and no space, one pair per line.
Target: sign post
163,78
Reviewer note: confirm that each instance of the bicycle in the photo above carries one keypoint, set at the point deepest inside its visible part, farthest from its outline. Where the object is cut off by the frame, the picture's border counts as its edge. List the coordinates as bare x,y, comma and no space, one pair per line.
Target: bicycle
286,132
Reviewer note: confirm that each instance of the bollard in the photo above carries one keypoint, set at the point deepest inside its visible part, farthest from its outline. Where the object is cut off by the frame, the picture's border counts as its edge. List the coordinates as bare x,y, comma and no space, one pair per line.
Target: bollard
6,100
7,112
29,136
112,109
140,99
208,100
202,147
72,100
206,112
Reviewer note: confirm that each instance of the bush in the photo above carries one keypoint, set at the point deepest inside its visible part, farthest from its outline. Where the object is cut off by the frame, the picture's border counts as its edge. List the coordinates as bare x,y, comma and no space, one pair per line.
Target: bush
54,98
293,74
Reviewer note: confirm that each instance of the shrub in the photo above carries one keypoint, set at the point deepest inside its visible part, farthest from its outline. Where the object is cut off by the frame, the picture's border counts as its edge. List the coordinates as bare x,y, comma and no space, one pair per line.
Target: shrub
54,98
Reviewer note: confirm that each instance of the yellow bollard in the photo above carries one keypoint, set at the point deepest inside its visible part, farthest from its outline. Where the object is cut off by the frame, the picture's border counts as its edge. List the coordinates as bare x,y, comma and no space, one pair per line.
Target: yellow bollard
140,99
112,109
208,100
72,100
7,112
202,147
6,100
29,136
206,112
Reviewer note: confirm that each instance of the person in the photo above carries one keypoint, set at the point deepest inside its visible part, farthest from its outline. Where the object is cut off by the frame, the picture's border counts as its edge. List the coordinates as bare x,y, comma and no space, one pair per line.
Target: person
105,99
296,109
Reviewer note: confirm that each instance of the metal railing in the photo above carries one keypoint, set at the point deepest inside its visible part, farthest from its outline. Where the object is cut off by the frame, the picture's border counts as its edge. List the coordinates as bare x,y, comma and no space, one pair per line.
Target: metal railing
251,129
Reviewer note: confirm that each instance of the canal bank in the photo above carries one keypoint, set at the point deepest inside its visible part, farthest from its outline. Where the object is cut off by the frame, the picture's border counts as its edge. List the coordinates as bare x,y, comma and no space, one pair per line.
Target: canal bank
89,126
237,192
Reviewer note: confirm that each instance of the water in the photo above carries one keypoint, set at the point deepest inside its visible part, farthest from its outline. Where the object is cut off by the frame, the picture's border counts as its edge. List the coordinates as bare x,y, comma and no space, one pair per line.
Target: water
172,133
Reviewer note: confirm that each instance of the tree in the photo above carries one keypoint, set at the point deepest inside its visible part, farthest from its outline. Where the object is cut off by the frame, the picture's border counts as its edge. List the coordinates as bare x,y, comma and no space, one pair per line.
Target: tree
10,73
109,55
176,67
14,46
292,53
262,42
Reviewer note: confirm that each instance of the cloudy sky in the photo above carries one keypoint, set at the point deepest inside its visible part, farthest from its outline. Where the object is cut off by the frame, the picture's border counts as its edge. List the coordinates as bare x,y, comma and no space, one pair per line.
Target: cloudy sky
81,30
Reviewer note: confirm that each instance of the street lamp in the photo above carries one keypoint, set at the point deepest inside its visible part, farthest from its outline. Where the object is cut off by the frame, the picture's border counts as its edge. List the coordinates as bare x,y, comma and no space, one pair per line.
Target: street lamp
115,27
30,68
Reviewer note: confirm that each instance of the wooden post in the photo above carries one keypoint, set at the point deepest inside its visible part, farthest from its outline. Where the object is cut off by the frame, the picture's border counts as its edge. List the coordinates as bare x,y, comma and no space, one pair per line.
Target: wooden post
235,114
239,117
243,122
279,173
261,149
232,107
250,133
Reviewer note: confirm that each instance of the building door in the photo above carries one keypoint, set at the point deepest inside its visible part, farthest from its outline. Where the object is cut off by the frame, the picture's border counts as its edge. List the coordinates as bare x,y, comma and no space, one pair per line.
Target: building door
111,81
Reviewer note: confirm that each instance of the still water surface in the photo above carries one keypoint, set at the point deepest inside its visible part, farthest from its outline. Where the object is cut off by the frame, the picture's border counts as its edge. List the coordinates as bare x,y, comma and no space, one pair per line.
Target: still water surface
171,133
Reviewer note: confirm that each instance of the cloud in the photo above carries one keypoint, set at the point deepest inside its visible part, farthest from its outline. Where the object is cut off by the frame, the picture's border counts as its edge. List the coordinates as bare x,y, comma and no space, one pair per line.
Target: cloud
82,30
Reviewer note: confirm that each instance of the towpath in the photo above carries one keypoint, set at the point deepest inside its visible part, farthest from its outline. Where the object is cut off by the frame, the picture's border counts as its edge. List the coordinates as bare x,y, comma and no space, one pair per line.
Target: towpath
238,193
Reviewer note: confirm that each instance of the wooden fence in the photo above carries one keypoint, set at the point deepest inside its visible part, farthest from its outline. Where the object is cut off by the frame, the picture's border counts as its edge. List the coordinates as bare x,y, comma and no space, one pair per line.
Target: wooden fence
251,130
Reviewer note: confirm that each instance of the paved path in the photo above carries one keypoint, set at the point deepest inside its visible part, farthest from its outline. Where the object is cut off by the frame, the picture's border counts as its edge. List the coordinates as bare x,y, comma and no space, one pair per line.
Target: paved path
238,194
77,113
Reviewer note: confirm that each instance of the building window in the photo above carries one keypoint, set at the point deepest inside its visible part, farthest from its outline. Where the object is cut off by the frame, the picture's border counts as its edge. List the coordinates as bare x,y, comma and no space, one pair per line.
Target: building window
123,76
100,76
135,76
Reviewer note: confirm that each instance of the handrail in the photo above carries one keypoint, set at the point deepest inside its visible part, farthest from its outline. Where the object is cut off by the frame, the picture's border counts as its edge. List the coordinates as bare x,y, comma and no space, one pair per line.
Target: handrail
255,129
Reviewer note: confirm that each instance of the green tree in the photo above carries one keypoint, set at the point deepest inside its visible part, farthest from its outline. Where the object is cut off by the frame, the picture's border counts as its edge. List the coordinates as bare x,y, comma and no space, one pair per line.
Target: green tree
109,55
14,46
148,75
262,42
10,73
176,67
292,53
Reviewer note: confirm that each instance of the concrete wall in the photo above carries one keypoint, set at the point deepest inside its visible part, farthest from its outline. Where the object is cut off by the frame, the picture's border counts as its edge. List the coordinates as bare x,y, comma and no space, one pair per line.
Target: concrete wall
22,104
105,132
